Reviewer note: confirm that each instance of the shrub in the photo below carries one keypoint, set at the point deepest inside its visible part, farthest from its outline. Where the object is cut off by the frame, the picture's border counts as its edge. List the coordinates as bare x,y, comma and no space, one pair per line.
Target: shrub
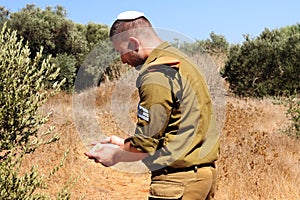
265,66
67,64
22,93
102,63
293,113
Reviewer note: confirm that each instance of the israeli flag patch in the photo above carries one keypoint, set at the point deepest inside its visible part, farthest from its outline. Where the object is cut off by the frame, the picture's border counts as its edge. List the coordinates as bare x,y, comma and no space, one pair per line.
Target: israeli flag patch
143,113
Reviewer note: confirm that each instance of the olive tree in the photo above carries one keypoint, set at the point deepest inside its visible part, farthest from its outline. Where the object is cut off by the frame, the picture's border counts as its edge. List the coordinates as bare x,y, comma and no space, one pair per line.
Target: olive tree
23,92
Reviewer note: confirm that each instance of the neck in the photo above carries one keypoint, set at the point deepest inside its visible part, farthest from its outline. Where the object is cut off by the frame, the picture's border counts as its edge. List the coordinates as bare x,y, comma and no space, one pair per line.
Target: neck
149,45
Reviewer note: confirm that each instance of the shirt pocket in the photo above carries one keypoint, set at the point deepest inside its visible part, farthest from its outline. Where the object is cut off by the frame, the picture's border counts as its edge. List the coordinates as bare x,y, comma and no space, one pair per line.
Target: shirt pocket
166,190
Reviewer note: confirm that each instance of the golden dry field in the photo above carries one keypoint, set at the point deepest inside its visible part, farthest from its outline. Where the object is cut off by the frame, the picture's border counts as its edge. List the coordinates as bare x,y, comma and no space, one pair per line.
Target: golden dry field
256,162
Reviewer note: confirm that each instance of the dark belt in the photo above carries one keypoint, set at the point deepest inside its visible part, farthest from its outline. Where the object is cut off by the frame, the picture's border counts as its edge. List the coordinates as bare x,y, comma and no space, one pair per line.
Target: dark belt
170,170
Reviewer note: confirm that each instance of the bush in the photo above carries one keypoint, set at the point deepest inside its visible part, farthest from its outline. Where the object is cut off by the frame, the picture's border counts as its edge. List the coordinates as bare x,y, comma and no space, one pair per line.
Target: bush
102,63
67,64
22,93
215,45
293,113
59,36
265,66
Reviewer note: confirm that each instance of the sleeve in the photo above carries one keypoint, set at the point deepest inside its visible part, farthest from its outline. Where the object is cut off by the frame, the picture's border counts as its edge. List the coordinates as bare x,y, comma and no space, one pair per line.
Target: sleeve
154,111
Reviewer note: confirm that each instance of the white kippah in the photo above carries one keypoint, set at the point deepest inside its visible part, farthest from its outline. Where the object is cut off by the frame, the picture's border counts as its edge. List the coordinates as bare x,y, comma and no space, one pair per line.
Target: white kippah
130,15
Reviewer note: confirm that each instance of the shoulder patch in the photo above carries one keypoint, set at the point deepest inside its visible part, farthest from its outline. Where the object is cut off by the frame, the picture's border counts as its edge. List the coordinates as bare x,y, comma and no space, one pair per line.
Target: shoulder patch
143,113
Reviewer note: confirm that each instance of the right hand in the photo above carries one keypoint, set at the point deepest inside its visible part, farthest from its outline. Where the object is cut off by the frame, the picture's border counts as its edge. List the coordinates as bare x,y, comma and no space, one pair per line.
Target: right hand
104,154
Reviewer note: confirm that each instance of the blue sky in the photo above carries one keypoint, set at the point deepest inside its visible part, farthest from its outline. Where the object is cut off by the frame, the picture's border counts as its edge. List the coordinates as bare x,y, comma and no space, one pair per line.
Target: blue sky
195,19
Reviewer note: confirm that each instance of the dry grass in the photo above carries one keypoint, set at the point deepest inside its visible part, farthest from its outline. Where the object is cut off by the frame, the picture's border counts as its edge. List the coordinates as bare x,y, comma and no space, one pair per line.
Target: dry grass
256,162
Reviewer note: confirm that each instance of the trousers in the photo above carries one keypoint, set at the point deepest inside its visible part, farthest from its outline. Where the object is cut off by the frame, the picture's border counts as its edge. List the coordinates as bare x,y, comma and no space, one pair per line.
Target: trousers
198,184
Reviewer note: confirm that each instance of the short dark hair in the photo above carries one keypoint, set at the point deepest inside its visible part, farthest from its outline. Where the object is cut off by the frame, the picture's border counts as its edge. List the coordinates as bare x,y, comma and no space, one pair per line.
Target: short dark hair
138,24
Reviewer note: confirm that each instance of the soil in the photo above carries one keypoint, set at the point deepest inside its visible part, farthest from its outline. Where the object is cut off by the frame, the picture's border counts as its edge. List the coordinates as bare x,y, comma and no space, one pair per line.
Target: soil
249,126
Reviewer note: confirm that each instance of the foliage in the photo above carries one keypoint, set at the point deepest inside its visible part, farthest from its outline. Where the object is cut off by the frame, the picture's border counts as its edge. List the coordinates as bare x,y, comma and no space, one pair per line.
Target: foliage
216,44
4,15
23,92
67,64
293,113
267,65
48,28
95,34
101,63
60,37
14,186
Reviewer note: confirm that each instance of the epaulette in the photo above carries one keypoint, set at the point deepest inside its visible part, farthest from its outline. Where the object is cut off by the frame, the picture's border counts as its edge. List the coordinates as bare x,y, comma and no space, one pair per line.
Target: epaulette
169,61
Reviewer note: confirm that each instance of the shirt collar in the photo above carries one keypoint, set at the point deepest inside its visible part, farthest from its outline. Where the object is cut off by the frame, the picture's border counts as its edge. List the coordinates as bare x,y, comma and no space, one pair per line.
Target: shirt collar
157,52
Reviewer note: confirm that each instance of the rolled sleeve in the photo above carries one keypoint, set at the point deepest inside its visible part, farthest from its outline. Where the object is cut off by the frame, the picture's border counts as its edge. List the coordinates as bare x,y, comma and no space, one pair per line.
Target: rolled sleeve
155,108
143,144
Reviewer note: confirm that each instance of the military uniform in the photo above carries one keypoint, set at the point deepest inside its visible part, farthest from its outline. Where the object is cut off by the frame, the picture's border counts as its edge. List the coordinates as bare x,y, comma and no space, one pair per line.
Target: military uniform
176,126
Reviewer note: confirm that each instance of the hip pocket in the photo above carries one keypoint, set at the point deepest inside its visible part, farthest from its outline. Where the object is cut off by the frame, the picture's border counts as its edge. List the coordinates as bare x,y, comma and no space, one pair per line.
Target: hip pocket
166,190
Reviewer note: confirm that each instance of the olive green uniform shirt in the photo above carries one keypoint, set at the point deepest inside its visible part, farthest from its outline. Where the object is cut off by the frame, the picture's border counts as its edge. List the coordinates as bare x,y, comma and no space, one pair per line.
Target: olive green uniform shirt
176,124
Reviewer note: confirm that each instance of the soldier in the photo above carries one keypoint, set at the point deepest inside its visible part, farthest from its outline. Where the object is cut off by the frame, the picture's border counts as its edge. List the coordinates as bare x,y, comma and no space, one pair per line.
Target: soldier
176,134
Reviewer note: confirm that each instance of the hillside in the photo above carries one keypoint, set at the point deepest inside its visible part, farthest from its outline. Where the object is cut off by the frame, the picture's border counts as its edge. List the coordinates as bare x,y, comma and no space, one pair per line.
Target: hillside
256,161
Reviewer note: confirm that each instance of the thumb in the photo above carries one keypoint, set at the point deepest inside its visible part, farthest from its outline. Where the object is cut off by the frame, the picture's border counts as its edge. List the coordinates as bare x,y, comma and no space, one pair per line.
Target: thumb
97,147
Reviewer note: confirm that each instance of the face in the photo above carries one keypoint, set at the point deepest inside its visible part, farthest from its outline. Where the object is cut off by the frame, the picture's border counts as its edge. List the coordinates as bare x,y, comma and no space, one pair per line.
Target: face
128,55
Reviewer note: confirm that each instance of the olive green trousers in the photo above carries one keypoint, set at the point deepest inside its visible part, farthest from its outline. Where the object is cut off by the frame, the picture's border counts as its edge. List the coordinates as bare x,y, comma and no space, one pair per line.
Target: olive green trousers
190,185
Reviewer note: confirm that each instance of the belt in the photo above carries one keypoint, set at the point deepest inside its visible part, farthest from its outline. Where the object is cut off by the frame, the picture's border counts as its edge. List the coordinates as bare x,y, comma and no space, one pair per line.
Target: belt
170,170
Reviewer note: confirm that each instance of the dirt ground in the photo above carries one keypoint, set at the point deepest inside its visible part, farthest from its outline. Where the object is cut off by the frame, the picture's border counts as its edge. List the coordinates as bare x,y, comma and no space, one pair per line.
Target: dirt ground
256,161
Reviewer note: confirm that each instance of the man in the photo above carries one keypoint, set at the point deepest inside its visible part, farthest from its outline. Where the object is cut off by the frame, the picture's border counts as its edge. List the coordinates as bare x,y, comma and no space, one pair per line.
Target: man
176,134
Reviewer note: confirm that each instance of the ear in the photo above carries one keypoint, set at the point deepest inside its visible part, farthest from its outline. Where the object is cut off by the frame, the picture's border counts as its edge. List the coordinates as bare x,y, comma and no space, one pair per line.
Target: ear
133,44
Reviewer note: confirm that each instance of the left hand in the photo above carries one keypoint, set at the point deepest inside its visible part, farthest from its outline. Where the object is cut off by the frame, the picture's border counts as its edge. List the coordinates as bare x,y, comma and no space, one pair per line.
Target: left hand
104,154
113,140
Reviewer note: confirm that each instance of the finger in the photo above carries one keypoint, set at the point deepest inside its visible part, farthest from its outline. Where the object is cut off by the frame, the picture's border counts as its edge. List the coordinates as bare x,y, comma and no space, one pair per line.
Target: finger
91,157
94,143
97,160
88,154
106,140
103,164
96,148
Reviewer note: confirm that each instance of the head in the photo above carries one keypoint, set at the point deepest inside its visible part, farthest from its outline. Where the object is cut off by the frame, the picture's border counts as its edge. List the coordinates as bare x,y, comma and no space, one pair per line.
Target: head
133,37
